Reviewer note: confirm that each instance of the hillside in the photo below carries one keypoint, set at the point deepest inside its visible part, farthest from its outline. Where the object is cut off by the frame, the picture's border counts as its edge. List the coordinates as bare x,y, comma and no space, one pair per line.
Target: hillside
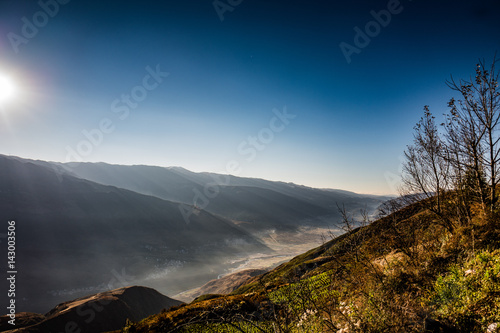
75,236
222,285
402,273
96,313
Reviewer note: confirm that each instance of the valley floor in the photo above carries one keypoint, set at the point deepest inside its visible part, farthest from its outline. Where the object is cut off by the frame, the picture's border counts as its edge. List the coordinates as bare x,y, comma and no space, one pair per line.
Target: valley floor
286,245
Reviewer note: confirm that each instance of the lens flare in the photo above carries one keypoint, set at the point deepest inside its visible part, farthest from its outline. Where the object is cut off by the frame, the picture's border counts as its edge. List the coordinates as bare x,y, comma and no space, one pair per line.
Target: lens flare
7,89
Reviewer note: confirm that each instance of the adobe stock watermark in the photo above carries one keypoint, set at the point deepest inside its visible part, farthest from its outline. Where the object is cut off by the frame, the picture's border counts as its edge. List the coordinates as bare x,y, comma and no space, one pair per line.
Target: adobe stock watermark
363,37
120,106
223,6
248,149
31,27
11,271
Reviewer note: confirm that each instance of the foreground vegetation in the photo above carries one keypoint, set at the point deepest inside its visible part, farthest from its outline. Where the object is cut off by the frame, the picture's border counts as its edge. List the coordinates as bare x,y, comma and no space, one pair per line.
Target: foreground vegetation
402,273
430,263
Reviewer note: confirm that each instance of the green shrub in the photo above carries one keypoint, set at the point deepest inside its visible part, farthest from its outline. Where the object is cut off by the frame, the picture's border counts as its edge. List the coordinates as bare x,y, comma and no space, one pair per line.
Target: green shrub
469,296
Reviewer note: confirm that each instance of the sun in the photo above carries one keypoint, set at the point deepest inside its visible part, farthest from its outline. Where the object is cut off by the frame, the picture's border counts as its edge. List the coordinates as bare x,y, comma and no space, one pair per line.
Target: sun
7,89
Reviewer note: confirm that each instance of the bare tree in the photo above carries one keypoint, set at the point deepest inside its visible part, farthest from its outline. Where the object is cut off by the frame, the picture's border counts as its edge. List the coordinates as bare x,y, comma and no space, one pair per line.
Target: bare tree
464,149
426,170
473,129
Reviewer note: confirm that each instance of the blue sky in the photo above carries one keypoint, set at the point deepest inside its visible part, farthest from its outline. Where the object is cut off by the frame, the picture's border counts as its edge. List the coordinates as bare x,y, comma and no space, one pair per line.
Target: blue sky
225,78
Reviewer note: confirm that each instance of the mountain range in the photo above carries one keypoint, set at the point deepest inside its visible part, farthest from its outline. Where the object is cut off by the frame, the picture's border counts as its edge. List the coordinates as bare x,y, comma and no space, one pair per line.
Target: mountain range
258,203
91,227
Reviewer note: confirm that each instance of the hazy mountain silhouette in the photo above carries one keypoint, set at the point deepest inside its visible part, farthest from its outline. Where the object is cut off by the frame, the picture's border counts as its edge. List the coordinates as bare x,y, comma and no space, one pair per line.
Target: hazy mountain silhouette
75,236
257,202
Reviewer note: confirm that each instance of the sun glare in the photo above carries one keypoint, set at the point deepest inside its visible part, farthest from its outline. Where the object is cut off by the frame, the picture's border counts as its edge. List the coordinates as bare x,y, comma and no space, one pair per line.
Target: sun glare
7,89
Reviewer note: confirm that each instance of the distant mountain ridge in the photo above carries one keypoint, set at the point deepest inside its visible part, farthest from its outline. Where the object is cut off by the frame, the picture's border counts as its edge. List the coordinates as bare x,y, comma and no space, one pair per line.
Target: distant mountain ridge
257,202
74,235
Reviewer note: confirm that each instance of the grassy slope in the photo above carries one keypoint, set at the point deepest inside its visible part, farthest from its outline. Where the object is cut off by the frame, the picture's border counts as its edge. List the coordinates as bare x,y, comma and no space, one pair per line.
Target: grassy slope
402,273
